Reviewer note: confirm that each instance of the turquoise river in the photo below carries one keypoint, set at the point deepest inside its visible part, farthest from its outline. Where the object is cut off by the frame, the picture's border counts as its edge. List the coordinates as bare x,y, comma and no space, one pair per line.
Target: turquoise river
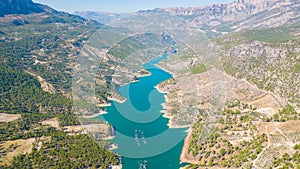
145,141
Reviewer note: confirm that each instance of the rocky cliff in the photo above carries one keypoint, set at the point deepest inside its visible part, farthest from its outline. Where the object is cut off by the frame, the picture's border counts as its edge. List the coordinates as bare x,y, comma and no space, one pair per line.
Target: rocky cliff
240,14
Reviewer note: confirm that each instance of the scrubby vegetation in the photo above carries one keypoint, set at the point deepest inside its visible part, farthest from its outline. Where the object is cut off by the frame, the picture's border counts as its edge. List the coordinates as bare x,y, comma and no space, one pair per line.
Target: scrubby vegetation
46,45
234,143
268,58
63,151
286,114
198,69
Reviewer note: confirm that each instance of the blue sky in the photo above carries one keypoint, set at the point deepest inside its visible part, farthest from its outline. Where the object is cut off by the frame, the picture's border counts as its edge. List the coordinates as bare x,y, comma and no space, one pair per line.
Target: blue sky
120,6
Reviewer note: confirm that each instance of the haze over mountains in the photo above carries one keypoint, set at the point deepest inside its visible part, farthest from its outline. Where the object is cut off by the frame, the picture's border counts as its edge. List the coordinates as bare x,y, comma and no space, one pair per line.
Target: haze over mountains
245,13
257,43
102,17
241,14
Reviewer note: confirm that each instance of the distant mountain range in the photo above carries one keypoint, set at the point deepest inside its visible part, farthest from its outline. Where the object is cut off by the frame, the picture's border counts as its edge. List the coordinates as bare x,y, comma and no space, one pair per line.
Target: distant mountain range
235,16
41,48
243,13
102,17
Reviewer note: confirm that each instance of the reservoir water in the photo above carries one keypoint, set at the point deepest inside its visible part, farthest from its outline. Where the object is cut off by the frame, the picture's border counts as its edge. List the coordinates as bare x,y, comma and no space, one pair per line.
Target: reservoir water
142,133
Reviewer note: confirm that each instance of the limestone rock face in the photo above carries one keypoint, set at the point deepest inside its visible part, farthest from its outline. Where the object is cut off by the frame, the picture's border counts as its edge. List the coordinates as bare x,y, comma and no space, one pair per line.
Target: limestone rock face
241,14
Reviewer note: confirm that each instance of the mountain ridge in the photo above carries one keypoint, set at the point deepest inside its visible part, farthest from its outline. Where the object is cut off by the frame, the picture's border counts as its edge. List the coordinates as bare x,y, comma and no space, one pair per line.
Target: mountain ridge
20,7
237,13
222,18
102,17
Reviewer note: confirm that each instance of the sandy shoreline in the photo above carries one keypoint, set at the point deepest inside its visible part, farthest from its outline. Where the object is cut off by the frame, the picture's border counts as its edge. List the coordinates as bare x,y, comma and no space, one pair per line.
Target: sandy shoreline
164,69
109,138
184,151
138,76
116,100
95,115
144,75
166,109
104,105
116,166
166,114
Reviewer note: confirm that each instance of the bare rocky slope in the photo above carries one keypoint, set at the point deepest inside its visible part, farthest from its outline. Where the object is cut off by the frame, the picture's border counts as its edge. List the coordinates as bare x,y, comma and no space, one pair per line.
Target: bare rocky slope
240,14
271,63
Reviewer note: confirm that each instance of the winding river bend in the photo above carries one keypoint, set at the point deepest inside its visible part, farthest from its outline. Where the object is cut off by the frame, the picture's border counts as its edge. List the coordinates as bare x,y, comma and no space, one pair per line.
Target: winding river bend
142,133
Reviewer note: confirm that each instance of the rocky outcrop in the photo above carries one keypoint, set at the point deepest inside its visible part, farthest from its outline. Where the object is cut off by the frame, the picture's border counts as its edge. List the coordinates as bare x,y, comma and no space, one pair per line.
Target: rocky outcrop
239,8
241,14
272,67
